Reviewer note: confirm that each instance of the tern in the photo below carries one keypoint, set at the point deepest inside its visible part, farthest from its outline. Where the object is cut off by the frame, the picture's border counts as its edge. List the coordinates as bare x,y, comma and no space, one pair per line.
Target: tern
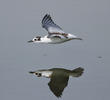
58,78
55,33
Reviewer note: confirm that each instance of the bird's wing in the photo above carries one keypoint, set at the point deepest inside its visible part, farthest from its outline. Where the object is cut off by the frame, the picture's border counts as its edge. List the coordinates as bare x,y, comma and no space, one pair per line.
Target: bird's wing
50,26
57,84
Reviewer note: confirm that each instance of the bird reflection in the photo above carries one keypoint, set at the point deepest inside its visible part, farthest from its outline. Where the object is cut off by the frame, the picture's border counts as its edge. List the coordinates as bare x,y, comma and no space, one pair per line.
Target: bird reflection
58,78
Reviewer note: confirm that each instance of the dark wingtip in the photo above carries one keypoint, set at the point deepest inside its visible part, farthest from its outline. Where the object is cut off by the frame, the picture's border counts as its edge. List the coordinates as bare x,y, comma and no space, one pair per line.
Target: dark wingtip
58,95
47,14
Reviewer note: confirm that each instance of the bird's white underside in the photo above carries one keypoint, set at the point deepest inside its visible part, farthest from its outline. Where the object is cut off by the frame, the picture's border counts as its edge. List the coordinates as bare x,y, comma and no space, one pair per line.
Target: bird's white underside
47,74
45,39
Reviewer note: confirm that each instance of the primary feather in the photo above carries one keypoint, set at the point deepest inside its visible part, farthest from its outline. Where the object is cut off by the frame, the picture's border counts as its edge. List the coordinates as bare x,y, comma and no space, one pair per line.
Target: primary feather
50,26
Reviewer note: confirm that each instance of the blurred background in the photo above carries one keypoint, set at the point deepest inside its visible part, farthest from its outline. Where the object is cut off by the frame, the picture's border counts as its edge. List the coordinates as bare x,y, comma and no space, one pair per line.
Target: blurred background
20,21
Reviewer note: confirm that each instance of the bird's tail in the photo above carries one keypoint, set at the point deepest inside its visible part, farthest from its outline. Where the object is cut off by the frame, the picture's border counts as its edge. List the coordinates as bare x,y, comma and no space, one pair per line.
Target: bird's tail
77,72
78,38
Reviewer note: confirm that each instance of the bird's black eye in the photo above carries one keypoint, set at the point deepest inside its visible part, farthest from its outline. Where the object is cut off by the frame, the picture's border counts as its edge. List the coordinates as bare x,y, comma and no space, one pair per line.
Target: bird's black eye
39,74
35,39
36,73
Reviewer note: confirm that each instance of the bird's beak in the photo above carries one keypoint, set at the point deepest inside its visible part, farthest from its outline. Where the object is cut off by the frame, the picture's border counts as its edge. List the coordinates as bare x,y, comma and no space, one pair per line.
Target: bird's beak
30,41
31,72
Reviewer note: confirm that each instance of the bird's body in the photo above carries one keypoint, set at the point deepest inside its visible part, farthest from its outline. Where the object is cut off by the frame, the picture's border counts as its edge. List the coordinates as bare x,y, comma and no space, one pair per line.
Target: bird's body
58,78
55,33
53,40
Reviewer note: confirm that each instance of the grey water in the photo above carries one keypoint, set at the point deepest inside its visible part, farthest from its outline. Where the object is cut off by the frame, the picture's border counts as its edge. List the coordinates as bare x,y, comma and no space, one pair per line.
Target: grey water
20,21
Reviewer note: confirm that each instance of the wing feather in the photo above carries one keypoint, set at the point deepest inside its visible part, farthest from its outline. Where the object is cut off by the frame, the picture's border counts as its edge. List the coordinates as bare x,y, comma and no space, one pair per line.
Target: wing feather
57,84
50,26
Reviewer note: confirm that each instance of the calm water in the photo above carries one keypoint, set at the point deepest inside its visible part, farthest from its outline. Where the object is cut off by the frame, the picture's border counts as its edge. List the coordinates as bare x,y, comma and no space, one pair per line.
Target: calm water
20,21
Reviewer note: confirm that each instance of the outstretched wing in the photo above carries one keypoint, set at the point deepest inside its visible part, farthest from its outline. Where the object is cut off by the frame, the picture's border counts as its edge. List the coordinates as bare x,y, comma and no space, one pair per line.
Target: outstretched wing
50,26
57,84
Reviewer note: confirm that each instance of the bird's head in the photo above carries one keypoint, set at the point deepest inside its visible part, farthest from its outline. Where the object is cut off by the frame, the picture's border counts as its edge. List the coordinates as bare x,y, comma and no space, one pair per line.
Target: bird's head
35,39
44,73
38,73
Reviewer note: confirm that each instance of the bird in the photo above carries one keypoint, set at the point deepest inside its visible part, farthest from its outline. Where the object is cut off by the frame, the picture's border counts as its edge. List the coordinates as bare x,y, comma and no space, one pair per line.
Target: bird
58,78
55,33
